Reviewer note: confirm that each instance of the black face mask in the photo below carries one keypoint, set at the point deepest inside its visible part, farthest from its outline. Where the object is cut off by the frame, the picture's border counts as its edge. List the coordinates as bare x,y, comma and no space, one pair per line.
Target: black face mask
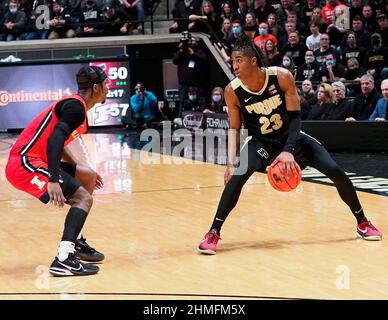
376,42
353,73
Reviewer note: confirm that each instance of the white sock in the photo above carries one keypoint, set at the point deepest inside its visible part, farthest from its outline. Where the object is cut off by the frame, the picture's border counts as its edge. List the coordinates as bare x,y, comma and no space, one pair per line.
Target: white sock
65,247
79,236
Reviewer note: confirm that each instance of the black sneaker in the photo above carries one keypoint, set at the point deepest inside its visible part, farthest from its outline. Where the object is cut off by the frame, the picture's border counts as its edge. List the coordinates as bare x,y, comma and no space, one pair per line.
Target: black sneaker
85,252
72,267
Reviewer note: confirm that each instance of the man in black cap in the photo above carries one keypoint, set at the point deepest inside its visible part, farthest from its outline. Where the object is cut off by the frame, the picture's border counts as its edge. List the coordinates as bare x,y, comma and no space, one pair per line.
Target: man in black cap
377,58
382,27
34,166
117,21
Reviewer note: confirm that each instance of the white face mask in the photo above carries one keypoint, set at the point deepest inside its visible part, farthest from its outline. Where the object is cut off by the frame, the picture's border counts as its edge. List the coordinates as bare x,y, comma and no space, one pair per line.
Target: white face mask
216,97
309,59
192,97
286,63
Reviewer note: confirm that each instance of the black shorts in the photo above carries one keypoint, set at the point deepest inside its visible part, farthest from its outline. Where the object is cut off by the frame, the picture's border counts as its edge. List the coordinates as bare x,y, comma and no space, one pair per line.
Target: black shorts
67,181
260,154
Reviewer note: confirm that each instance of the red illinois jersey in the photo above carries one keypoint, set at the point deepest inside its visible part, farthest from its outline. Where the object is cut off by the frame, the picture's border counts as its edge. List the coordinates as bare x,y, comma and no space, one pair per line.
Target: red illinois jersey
32,142
27,168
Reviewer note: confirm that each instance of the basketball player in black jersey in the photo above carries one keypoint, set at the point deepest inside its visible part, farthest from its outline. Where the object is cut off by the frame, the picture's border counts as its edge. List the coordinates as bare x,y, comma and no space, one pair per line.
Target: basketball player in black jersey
268,102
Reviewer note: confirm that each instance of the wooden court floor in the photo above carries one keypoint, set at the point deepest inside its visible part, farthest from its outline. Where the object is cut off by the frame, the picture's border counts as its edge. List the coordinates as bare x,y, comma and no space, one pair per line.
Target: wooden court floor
149,219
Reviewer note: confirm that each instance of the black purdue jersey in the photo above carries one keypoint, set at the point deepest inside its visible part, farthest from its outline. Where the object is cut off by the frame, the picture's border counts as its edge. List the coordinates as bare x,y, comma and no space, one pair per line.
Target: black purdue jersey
264,112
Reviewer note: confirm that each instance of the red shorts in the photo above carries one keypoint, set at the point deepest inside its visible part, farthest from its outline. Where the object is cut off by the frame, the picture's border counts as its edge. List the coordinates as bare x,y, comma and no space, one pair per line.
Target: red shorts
31,175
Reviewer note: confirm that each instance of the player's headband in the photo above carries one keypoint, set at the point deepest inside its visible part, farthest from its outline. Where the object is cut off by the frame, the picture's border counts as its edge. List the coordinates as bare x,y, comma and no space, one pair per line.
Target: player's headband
88,76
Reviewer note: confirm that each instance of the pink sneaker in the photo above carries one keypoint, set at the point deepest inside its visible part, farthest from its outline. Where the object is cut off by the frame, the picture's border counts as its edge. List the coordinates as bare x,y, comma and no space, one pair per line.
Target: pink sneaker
209,243
367,231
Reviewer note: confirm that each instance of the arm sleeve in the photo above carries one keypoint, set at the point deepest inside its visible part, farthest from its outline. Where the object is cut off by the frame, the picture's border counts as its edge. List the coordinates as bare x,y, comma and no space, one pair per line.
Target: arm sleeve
293,130
71,115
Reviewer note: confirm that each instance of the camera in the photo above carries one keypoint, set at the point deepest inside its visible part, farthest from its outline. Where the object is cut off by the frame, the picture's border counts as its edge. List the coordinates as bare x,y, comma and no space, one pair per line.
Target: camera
141,88
186,36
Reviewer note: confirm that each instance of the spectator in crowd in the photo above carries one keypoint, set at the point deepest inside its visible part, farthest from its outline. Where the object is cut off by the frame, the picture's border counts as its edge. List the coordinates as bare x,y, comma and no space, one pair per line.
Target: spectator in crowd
342,107
227,11
273,26
313,41
380,112
317,18
242,11
307,10
194,101
262,8
324,50
226,29
136,11
283,10
295,49
350,49
328,10
377,58
289,64
309,70
299,26
271,53
369,18
60,23
143,106
382,28
217,103
13,24
362,35
353,75
283,41
116,22
338,27
366,101
333,70
309,97
24,6
379,6
192,64
325,100
236,32
91,20
263,36
355,9
207,21
181,12
74,8
250,28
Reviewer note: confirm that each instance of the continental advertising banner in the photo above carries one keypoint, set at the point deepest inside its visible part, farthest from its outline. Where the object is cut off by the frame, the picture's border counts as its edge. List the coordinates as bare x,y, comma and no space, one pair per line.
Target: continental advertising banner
26,90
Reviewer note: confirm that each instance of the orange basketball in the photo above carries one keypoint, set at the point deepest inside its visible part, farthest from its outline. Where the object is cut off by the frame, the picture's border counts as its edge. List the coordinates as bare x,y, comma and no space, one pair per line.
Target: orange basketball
280,182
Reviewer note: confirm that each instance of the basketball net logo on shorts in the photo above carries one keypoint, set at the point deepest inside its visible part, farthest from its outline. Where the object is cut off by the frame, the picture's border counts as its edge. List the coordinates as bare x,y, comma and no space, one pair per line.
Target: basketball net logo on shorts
263,153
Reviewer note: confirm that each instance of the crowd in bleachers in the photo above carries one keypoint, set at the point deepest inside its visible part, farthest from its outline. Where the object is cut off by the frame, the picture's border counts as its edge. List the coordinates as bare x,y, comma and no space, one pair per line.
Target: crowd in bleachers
340,48
53,19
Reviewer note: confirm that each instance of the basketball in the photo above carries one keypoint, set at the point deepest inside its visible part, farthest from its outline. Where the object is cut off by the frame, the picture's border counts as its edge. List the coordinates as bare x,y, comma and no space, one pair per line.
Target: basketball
280,182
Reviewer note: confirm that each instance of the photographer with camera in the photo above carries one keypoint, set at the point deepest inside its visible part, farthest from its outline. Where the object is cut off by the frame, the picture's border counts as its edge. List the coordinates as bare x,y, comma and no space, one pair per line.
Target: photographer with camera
142,108
192,63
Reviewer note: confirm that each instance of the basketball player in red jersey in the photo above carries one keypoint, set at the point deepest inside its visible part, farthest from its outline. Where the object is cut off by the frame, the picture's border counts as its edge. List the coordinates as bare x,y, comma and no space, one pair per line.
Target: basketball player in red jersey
35,166
269,104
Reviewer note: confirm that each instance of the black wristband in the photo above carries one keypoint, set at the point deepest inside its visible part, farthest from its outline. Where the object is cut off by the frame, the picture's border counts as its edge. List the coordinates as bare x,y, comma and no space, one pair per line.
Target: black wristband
53,178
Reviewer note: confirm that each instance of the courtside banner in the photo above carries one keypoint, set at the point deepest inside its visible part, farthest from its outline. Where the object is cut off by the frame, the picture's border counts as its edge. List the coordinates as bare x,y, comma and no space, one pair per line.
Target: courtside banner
198,120
26,90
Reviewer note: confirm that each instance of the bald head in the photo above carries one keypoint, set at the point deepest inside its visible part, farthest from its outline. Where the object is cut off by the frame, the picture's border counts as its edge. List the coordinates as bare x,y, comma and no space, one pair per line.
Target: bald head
384,88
